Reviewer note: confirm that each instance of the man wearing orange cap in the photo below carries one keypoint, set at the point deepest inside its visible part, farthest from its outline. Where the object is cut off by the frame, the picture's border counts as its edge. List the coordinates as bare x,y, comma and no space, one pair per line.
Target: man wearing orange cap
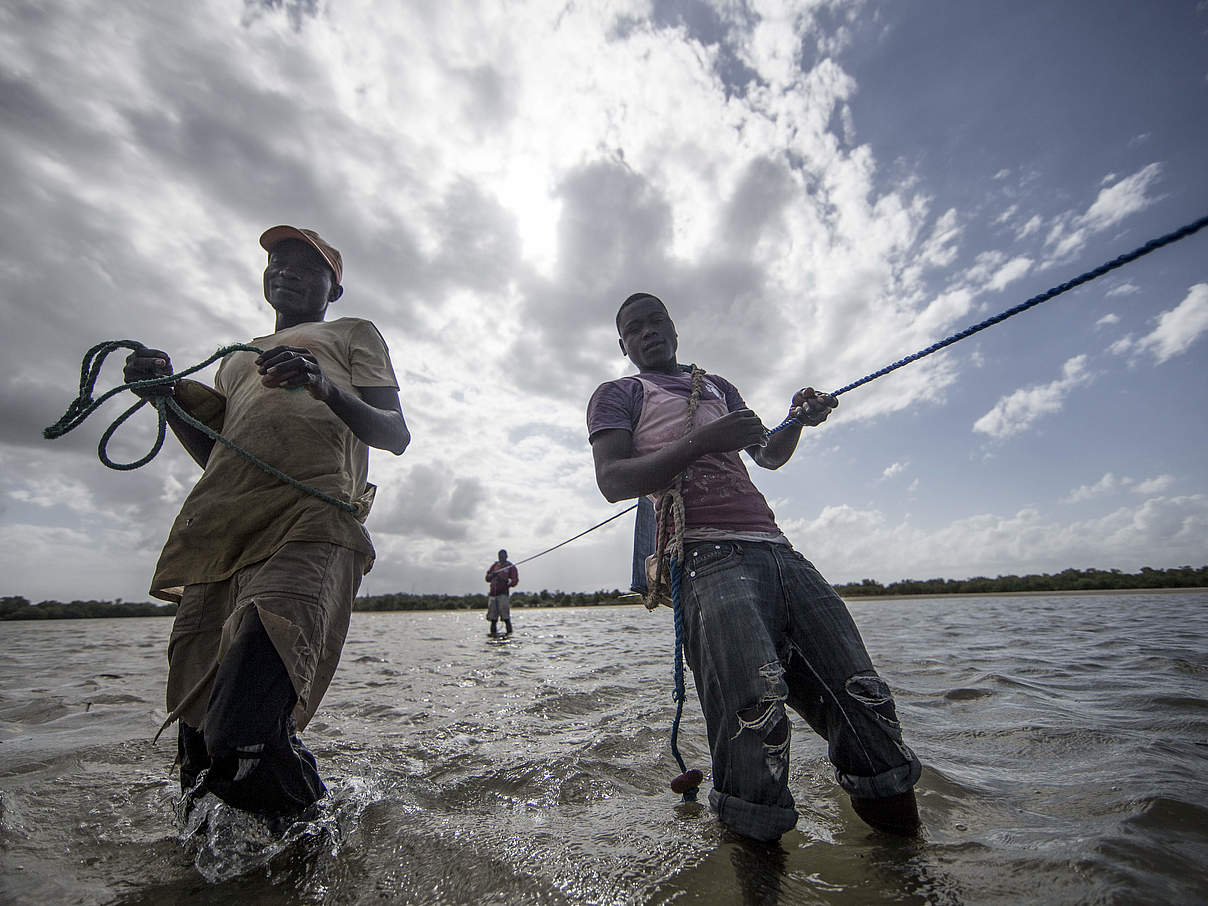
265,574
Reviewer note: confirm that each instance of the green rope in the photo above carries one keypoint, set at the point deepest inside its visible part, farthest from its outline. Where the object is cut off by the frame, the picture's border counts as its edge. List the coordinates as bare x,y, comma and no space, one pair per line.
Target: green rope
84,405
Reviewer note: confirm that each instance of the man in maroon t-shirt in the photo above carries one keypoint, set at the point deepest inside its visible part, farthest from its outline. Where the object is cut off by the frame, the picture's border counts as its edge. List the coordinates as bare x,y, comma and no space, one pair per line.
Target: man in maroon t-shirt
502,576
762,628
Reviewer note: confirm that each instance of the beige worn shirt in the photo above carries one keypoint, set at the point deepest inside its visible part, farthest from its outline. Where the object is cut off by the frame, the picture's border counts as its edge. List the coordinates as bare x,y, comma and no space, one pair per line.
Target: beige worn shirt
237,514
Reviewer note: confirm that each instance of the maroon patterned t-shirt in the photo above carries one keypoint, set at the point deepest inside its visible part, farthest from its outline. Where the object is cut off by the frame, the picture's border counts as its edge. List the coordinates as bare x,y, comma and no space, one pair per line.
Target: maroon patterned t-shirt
719,495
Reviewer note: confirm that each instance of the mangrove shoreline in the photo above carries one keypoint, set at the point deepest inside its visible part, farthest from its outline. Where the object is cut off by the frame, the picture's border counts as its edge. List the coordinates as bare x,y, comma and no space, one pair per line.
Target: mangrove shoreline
1069,581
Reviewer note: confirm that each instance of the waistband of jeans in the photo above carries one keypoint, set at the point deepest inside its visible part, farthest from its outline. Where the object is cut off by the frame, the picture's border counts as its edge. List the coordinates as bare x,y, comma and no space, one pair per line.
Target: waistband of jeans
765,545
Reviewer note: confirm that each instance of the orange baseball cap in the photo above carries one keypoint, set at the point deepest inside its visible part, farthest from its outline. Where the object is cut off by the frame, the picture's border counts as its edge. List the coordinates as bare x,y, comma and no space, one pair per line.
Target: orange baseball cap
276,234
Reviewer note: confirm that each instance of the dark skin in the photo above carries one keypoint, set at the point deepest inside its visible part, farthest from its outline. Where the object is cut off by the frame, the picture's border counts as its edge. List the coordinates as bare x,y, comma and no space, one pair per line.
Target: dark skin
648,338
299,286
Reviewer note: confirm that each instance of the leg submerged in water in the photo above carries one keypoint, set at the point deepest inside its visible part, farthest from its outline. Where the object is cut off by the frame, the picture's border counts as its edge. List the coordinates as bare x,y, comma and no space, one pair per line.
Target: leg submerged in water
729,609
835,687
256,760
892,814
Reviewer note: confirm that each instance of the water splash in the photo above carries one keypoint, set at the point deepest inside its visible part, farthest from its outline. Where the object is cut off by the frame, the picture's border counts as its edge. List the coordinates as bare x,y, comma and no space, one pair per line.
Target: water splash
227,842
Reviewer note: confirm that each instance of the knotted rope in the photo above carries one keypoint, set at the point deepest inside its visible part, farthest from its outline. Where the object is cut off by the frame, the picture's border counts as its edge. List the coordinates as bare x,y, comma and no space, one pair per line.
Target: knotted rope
84,405
670,547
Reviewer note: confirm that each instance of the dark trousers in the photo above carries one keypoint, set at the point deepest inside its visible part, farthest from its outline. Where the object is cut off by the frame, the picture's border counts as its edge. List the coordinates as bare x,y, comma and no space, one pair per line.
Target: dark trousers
764,630
248,746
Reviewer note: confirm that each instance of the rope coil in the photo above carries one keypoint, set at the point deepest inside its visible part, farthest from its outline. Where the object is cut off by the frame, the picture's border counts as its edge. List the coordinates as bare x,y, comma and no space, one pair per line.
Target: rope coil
84,405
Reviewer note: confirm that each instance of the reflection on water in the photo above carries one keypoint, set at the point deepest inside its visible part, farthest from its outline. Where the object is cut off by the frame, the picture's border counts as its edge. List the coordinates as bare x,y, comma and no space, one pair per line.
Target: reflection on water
1063,737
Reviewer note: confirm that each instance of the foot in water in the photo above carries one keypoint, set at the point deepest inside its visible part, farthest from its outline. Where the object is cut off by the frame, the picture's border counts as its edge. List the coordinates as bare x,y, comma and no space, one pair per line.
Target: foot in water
198,804
898,815
226,842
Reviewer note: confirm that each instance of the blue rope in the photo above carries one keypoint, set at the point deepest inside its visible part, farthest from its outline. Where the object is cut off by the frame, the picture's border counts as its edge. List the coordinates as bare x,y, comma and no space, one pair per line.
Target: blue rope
1099,271
84,405
680,692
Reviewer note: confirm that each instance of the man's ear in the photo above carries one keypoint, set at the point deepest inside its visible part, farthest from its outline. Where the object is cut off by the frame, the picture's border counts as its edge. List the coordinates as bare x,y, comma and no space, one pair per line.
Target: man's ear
336,292
621,343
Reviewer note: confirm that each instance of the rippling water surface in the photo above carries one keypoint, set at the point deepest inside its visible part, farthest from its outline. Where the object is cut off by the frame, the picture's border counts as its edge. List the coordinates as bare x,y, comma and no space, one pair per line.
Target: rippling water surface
1065,740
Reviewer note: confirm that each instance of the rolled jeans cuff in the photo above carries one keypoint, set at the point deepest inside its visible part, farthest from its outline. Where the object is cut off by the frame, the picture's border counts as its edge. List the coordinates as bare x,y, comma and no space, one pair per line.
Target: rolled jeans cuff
759,822
880,786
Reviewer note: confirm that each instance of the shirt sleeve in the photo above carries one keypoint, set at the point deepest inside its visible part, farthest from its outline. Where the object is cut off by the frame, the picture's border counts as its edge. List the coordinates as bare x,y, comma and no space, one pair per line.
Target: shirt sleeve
369,362
615,404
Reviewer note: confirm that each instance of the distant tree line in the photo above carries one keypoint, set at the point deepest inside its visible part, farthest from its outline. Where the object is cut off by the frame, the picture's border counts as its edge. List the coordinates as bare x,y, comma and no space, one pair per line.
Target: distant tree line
543,598
1066,580
19,608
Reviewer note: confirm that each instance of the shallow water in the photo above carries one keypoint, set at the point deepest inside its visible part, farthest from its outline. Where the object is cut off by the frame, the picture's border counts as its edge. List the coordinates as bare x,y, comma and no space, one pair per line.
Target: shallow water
1064,739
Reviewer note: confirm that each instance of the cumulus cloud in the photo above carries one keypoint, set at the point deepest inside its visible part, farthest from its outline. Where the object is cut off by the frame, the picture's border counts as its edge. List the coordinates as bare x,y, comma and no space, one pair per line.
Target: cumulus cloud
1035,224
1019,410
1119,200
431,503
1178,328
1111,206
1108,484
1111,484
490,218
498,178
1122,346
1107,320
1155,485
1010,272
843,540
894,469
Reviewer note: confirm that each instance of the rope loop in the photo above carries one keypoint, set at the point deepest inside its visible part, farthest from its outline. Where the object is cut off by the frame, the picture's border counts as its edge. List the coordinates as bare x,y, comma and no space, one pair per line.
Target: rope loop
84,405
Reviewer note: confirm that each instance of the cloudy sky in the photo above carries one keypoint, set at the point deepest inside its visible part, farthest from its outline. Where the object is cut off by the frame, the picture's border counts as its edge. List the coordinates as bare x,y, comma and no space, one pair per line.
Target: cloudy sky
816,188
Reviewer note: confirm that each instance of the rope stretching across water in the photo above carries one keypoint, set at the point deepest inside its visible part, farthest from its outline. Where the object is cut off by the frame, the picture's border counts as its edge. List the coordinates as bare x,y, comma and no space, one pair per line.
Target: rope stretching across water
1120,261
84,405
580,535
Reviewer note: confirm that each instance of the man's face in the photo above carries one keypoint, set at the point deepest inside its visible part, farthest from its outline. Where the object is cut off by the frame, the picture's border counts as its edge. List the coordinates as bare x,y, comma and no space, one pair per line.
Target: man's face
648,335
503,555
297,281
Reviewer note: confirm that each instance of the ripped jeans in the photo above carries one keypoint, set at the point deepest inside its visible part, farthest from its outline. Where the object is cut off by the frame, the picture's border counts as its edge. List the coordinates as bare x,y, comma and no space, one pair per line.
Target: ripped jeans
764,630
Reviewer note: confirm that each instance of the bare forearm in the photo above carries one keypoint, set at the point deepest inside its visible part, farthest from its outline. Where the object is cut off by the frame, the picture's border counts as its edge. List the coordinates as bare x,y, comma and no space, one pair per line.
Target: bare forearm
622,479
620,475
383,429
197,444
780,448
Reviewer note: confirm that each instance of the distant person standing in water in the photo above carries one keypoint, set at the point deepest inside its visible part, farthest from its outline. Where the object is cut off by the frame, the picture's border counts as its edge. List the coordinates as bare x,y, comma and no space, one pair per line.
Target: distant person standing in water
265,574
762,628
502,577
